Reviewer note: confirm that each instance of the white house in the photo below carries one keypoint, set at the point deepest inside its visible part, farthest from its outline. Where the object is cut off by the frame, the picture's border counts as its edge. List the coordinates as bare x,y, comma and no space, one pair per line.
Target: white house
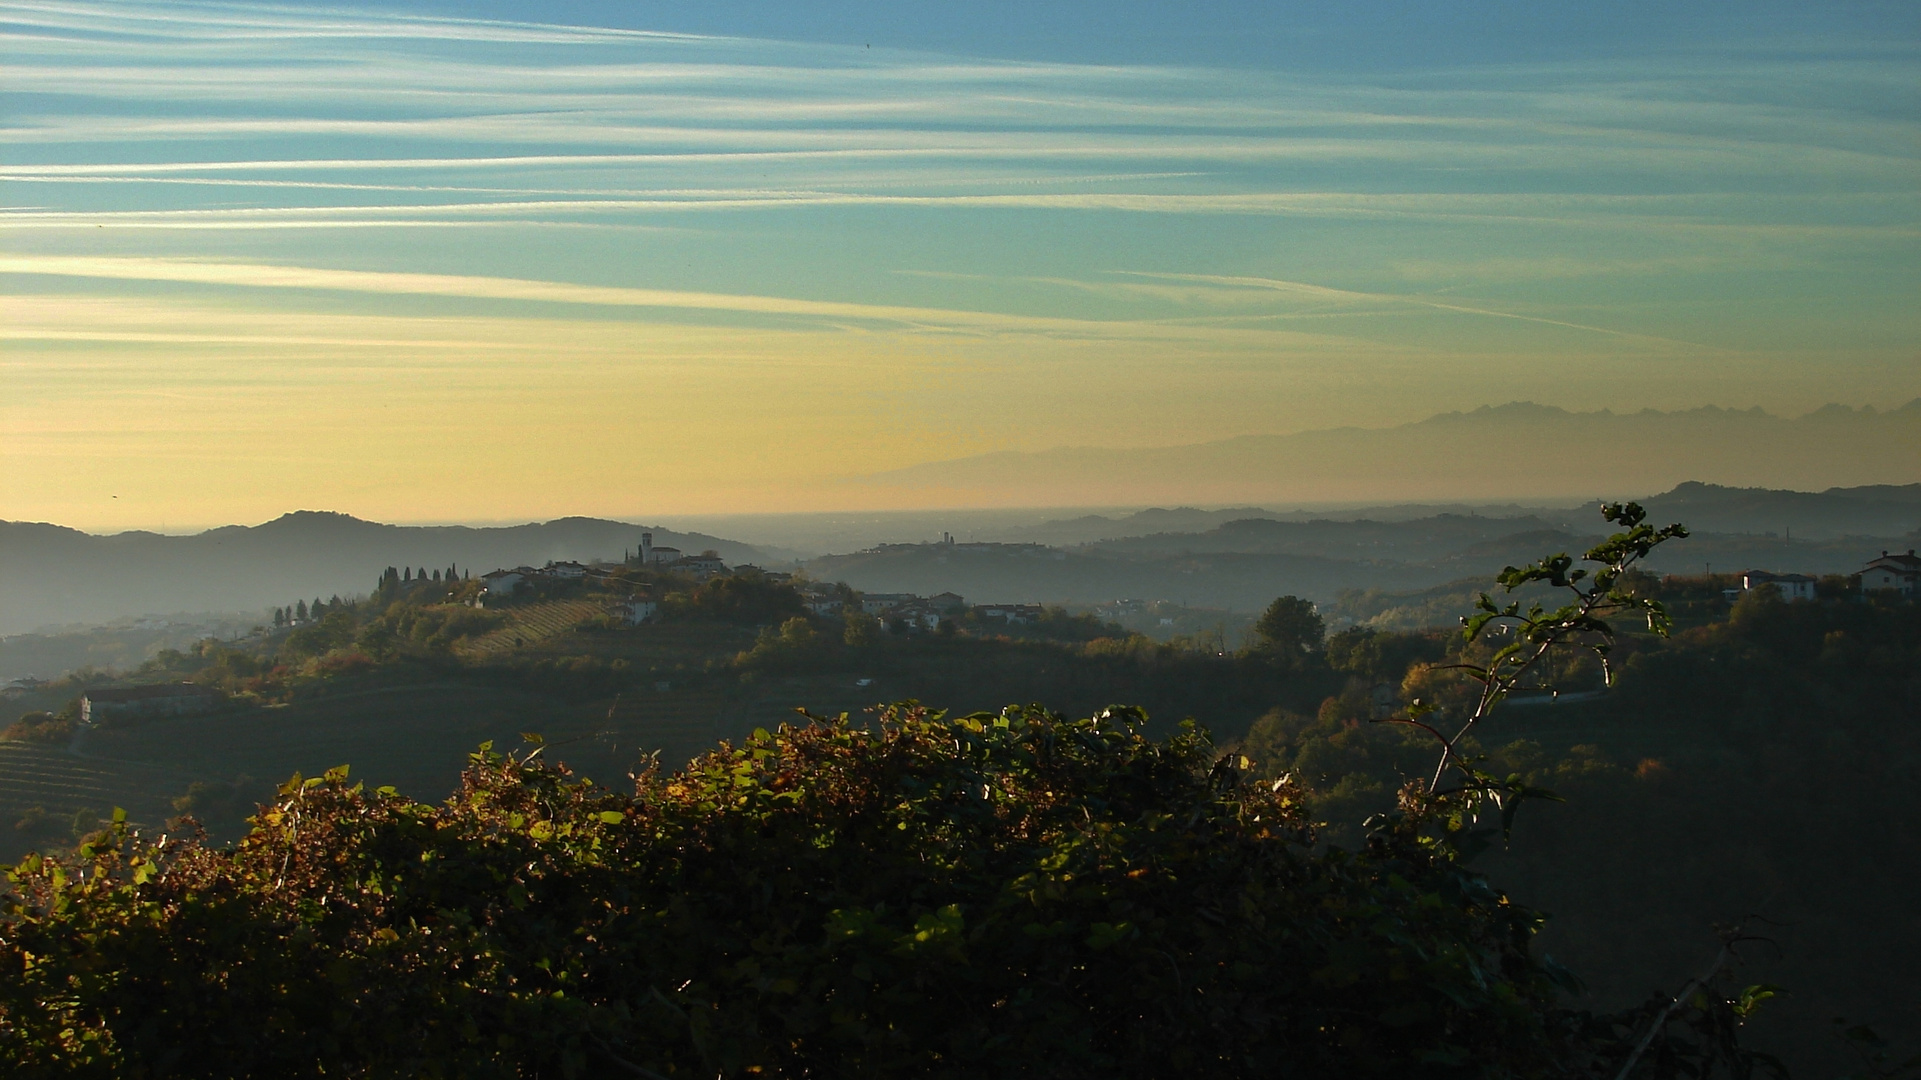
1790,586
566,571
1892,573
917,613
636,610
503,582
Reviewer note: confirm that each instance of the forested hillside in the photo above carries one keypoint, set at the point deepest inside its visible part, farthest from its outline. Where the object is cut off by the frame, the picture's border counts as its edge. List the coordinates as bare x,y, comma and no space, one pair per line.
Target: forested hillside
1741,773
1751,768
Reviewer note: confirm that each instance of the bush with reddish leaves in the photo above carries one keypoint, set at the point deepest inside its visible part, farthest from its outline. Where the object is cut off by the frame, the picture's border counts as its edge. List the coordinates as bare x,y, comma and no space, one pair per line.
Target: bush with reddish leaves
1011,895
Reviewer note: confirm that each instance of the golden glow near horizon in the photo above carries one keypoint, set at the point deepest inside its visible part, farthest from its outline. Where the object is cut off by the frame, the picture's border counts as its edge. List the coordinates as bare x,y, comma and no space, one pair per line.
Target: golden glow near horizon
257,259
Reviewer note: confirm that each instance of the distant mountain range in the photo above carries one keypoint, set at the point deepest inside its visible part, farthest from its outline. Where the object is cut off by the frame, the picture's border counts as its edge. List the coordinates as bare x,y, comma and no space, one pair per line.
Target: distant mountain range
1242,564
51,575
1235,558
1875,510
1516,451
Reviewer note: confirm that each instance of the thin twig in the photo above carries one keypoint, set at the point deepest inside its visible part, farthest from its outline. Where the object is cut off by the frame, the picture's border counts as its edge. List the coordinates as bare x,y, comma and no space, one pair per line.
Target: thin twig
1660,1021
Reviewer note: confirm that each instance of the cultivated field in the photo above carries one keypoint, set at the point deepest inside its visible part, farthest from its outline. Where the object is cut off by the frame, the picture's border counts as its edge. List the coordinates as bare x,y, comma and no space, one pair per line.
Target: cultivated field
527,625
42,788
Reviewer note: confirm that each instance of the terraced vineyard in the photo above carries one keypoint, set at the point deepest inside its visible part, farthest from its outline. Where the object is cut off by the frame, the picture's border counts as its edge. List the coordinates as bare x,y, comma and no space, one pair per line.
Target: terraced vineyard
50,784
414,736
526,625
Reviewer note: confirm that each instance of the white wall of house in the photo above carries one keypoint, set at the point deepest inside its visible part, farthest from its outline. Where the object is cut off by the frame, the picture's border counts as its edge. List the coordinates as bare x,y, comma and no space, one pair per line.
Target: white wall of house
502,583
1882,579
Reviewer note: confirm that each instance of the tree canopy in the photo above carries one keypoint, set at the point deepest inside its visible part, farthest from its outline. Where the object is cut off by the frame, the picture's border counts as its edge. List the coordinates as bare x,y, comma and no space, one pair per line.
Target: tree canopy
1290,628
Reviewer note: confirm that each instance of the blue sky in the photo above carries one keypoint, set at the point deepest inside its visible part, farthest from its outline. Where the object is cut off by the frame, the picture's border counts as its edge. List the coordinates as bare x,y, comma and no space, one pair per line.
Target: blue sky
619,259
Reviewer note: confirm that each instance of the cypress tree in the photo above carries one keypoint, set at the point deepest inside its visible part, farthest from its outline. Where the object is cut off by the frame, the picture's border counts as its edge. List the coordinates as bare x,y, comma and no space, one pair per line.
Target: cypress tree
300,612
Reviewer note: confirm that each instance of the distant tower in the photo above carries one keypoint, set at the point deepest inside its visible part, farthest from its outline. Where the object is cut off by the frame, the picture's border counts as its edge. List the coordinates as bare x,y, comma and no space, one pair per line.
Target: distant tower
646,549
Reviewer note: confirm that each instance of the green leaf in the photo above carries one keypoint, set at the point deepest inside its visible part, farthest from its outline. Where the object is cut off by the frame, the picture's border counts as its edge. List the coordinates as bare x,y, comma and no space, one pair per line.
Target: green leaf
1750,998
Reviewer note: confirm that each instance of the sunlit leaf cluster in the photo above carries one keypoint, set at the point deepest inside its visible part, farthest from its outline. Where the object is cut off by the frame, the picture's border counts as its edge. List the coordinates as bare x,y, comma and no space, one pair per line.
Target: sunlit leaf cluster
1006,894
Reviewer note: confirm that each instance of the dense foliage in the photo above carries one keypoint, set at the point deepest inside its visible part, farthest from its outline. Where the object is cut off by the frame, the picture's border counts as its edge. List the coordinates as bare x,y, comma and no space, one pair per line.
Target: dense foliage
1012,894
1760,764
994,895
42,727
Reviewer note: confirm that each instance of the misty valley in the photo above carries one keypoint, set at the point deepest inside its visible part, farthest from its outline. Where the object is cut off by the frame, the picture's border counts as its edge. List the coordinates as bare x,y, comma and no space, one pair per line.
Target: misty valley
1018,540
627,654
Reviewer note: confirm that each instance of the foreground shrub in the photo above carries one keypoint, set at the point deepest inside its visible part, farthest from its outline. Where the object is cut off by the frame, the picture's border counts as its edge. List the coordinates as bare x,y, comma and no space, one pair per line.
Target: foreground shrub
989,896
40,727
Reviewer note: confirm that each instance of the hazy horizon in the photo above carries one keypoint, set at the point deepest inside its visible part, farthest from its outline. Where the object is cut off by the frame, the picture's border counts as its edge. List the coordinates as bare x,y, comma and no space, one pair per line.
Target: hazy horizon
1381,482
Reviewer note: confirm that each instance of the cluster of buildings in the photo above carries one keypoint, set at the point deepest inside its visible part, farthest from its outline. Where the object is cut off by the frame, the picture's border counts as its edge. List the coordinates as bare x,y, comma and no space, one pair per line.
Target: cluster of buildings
911,609
1891,574
498,583
892,608
947,545
917,611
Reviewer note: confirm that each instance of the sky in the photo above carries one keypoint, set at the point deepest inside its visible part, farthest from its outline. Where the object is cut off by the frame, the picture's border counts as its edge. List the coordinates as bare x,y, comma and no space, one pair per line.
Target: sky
443,263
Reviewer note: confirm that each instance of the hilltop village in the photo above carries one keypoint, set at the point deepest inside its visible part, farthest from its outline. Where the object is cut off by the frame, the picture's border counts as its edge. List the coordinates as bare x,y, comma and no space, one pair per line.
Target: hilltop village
632,590
740,617
505,615
627,668
638,582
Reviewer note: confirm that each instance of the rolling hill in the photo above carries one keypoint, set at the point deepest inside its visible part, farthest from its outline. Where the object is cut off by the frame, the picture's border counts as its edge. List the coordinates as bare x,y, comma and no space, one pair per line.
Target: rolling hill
51,575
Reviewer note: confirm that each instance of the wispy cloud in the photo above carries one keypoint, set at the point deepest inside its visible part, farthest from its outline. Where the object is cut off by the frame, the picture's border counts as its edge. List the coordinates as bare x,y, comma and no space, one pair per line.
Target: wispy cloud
228,221
252,276
1326,295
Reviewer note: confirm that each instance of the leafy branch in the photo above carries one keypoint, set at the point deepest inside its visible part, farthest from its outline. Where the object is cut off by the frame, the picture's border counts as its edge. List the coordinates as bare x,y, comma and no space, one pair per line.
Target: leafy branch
1595,602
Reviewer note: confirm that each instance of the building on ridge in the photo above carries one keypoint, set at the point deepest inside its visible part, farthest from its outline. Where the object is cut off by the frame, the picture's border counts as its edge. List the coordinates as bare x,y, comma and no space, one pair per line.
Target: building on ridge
879,603
1892,573
702,566
1790,586
102,708
503,582
1011,614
